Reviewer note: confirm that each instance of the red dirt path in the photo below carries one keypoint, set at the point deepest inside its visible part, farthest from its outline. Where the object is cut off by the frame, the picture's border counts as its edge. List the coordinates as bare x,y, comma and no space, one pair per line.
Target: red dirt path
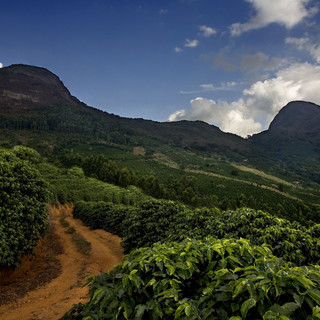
60,276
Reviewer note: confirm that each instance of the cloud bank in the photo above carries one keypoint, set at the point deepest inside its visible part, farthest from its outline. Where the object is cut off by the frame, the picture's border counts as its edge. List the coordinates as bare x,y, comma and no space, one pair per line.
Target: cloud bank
307,45
299,81
287,13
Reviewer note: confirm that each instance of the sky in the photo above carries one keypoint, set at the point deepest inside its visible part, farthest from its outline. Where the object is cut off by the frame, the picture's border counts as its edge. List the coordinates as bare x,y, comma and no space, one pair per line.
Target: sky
231,63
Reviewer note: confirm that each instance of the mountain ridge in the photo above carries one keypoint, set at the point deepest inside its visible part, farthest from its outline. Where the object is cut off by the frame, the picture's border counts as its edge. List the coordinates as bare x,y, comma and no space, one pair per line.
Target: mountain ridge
34,100
21,93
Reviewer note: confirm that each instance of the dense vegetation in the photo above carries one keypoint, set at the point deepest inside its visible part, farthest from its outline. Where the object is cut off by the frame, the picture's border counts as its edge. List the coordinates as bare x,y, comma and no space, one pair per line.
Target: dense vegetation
23,194
203,279
160,220
197,275
198,190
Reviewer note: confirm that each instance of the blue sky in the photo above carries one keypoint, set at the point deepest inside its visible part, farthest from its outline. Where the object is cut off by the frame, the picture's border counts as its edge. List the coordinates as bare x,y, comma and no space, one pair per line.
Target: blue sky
231,63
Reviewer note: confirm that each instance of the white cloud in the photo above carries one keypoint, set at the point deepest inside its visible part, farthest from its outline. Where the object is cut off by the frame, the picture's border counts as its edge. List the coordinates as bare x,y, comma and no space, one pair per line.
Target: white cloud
235,121
287,13
178,115
177,49
307,45
221,114
300,81
224,86
207,31
1,65
208,86
191,43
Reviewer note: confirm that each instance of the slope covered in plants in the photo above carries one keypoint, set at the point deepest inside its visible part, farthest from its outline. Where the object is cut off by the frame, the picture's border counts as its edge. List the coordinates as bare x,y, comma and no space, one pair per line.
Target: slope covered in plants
23,194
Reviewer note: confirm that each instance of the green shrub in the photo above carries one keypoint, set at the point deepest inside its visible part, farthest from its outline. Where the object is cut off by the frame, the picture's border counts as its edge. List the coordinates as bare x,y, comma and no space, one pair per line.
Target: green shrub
23,217
210,279
289,240
153,221
101,215
26,153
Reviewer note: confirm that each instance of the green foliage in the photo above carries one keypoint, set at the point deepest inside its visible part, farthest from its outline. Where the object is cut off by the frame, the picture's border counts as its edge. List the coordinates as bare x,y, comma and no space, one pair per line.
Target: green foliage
209,279
101,215
25,153
72,186
153,221
23,217
162,220
289,240
76,172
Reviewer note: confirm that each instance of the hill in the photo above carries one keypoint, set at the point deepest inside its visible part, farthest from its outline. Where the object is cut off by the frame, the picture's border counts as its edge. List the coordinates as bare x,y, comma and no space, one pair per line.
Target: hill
187,160
293,139
33,98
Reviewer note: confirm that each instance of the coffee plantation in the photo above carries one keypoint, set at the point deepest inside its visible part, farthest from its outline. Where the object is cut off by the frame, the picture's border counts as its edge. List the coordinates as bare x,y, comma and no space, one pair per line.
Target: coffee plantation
203,279
23,217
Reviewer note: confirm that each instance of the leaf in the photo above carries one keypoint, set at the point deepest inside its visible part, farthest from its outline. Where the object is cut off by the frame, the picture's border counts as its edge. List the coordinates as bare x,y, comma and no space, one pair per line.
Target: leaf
315,295
151,282
246,306
171,269
270,315
220,273
125,280
134,271
187,310
188,246
298,299
307,283
239,287
98,294
178,311
140,309
234,259
285,309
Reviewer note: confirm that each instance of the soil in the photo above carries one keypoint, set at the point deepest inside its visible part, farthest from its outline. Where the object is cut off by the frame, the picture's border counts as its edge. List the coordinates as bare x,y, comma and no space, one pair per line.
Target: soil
46,285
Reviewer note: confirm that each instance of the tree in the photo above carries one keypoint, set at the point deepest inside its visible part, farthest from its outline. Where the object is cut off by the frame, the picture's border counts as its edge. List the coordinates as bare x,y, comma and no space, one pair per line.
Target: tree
23,217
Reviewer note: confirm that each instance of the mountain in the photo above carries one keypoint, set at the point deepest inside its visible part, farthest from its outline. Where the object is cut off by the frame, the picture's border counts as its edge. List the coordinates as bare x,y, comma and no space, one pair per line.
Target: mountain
293,139
33,98
297,118
38,110
25,88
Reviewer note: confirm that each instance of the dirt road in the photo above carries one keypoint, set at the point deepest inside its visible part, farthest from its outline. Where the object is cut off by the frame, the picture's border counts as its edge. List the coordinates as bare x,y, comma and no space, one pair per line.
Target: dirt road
51,301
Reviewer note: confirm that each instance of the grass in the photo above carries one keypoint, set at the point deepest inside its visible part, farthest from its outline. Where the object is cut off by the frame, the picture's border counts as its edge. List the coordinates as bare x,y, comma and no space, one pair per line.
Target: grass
83,246
64,222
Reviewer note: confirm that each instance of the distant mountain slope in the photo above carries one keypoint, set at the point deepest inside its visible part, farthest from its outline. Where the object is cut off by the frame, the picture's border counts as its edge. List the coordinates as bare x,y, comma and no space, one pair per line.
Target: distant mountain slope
34,98
297,122
293,139
37,109
298,117
26,87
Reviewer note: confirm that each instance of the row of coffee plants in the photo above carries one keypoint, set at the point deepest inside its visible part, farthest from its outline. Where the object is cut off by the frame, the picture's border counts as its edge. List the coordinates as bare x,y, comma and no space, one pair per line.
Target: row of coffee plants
203,279
102,215
71,185
23,194
161,220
